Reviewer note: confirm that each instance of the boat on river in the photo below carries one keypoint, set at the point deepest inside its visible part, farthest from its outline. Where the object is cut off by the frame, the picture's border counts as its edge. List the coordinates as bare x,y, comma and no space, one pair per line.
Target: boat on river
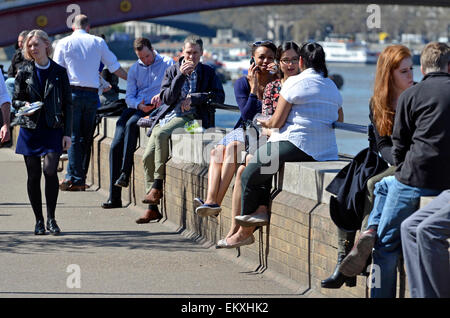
348,52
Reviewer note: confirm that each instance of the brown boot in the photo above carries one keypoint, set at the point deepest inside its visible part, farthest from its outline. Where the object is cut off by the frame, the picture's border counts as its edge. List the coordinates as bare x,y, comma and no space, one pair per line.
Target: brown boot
150,215
153,197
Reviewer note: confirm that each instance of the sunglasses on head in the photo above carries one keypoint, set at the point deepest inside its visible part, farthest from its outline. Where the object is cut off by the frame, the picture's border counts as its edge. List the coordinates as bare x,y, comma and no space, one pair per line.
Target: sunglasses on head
258,43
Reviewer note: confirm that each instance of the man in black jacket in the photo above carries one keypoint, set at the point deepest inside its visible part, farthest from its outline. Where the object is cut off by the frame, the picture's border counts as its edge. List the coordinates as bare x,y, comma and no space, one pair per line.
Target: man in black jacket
186,87
17,62
421,152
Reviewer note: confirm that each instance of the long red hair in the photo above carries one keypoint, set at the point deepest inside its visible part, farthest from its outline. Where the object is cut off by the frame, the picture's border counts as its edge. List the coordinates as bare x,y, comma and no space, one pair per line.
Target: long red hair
381,102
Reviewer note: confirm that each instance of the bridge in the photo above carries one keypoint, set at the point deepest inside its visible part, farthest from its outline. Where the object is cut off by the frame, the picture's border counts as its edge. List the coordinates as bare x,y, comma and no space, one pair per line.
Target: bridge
54,16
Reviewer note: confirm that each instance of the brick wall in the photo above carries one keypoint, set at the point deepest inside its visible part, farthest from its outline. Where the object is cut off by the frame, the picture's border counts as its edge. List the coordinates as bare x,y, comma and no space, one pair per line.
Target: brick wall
301,240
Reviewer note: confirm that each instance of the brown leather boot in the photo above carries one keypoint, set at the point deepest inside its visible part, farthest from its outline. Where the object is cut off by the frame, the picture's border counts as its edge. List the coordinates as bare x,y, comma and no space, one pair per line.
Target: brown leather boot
153,197
150,215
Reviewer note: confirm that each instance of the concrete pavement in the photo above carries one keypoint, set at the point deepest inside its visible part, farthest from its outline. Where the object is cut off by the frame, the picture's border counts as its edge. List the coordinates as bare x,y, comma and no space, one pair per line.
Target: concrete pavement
104,253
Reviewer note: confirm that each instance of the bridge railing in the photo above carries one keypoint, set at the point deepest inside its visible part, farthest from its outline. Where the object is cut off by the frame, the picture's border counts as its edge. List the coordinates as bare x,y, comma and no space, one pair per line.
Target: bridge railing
336,125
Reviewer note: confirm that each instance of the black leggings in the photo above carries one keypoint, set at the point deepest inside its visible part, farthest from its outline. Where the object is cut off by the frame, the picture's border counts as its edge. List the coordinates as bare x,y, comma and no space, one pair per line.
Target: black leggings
34,171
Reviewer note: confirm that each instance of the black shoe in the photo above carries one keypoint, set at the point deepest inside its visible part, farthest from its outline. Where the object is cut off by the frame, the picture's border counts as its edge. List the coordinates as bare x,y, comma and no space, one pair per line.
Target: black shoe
122,181
111,204
337,279
39,229
52,227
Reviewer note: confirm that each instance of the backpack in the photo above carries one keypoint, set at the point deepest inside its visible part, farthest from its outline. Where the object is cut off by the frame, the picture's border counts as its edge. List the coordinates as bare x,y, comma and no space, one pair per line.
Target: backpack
112,109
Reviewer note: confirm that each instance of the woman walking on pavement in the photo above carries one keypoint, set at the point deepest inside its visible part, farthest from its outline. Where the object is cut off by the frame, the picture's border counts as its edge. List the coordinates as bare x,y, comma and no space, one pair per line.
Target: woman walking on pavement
46,131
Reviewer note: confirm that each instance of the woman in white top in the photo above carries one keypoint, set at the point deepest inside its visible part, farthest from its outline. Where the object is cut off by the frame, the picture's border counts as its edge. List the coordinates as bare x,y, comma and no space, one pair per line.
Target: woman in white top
308,105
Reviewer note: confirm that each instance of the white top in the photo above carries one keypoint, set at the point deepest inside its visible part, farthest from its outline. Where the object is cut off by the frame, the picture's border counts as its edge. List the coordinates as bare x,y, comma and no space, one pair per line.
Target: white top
4,96
80,53
315,102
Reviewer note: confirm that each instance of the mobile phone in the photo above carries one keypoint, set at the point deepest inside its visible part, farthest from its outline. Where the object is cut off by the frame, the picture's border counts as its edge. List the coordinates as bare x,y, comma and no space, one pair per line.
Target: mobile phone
252,61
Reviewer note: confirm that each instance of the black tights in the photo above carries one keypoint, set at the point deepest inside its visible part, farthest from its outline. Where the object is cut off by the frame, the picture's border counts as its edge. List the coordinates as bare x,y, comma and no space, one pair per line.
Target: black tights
34,171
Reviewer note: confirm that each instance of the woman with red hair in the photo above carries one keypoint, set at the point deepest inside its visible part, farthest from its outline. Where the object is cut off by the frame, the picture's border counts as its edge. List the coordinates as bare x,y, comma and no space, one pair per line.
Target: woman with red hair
393,76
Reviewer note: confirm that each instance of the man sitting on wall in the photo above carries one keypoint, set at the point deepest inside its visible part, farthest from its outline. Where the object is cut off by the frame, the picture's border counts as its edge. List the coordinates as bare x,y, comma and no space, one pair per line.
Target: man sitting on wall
143,86
186,87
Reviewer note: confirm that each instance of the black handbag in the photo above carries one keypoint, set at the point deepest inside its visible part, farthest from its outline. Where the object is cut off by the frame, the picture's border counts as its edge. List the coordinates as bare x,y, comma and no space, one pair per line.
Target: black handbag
251,136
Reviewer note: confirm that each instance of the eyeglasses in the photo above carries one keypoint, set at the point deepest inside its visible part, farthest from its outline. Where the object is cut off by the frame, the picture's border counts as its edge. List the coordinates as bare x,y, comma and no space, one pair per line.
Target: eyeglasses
288,61
258,43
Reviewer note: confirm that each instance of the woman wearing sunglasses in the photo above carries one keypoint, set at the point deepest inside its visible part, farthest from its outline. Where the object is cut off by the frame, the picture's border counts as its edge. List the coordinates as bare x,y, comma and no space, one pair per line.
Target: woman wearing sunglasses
287,61
307,106
249,91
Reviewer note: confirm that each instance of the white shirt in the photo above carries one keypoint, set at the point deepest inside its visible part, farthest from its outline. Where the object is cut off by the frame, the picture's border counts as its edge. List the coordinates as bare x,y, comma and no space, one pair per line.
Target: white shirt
4,96
80,53
315,102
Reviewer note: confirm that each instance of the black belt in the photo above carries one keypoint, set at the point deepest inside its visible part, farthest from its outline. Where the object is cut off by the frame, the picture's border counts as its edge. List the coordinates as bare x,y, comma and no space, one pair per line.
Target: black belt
81,88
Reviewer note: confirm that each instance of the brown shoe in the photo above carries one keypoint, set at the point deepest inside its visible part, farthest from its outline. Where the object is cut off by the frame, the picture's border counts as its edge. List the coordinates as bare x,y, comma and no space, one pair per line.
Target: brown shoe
153,197
81,187
354,263
150,215
65,185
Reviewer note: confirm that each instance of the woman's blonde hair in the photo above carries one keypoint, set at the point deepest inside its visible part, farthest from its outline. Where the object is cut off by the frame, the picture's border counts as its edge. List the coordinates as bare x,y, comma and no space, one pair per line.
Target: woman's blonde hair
43,36
382,111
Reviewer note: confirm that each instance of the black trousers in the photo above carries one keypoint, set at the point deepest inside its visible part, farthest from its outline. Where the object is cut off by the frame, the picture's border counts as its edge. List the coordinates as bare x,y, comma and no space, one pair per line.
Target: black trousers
122,149
257,176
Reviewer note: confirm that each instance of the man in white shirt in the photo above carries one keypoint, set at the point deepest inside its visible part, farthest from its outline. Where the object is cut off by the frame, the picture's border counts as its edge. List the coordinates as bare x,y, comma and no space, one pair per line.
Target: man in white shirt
81,54
5,104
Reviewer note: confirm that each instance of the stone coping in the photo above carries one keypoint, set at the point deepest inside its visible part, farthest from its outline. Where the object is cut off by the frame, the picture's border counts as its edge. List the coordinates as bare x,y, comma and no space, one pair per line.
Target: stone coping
308,179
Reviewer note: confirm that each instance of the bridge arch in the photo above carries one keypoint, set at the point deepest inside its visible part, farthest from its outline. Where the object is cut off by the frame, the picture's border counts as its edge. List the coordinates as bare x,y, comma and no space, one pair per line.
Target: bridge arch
52,15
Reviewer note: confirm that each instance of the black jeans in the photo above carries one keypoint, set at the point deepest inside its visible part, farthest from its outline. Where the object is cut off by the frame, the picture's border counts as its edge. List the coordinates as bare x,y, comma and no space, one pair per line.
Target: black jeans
257,176
122,148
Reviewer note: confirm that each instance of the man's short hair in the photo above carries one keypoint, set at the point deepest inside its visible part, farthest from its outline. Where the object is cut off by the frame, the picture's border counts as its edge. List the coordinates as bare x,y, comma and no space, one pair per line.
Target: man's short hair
81,21
24,33
435,57
140,43
194,39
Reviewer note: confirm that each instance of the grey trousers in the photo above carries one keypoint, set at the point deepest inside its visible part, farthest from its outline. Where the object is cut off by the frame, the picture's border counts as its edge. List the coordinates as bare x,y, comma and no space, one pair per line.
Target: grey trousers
425,246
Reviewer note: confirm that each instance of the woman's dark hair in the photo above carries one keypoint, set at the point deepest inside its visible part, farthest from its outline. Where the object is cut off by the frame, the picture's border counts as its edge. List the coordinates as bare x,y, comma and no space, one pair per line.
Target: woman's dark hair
291,45
313,56
267,44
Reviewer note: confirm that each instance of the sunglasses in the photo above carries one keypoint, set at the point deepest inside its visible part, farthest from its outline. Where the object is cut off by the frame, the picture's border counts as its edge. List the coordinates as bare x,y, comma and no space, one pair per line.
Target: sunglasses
258,43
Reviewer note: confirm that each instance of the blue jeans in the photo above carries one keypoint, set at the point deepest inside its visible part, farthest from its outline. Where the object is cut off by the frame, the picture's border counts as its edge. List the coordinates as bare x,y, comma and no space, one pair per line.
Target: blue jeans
83,125
122,149
9,82
394,202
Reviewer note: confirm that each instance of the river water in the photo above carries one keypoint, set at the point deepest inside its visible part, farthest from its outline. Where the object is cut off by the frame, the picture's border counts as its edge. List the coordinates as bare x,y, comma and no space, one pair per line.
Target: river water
356,92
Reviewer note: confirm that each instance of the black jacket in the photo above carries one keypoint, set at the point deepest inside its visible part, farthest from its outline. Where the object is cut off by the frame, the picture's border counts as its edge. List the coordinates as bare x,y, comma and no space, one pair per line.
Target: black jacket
377,143
208,85
421,135
350,186
17,62
57,97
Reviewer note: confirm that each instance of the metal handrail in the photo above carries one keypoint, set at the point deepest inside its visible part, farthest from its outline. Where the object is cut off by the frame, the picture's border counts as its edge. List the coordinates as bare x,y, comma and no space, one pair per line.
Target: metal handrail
336,125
